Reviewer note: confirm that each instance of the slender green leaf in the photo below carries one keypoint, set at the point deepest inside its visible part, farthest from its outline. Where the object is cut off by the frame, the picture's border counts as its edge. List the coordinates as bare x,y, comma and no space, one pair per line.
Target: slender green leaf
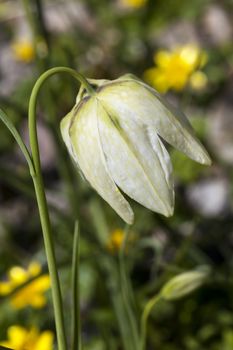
10,126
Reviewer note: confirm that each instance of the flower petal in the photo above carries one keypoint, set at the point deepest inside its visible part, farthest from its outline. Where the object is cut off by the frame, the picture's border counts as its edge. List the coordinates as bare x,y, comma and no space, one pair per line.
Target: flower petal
175,128
87,147
139,102
137,161
17,336
65,131
45,341
65,126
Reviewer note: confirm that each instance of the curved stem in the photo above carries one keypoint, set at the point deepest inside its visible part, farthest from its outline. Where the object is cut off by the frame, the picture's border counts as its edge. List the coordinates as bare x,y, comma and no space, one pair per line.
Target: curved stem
146,312
41,198
32,106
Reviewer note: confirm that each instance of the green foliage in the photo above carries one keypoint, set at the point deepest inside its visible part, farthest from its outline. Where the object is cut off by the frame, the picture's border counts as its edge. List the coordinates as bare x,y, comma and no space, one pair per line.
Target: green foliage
107,40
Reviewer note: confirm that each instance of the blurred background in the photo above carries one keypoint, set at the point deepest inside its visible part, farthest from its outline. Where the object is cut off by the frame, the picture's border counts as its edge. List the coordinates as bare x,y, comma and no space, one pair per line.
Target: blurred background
184,50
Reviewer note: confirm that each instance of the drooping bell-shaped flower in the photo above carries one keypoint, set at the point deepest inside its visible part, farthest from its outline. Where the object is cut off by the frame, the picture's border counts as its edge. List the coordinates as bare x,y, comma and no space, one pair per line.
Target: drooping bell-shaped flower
115,138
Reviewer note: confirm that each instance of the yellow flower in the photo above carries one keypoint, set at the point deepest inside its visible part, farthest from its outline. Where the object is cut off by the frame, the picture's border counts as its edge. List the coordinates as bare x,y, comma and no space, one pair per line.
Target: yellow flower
115,240
173,70
198,80
23,51
32,293
20,338
133,3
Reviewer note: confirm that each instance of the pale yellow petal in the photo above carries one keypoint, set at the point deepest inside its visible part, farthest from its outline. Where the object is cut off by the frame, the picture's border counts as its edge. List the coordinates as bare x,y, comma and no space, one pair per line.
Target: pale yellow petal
137,161
145,106
86,143
64,126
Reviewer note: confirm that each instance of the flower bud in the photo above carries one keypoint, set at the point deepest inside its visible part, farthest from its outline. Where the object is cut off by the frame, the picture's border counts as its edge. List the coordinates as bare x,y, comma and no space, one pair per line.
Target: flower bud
114,137
183,284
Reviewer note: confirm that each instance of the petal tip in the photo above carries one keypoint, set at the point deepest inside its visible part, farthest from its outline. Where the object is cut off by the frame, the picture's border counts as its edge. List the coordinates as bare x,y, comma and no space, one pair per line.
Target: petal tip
204,159
169,212
208,160
129,218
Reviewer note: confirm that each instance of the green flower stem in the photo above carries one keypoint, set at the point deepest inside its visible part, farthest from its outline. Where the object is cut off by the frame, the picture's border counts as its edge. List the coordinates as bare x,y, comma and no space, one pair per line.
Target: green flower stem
126,292
32,19
29,15
34,11
144,319
34,14
50,253
76,343
41,199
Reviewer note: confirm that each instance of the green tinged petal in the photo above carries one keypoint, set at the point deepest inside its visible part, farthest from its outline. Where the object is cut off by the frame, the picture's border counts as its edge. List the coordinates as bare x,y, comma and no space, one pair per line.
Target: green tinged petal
144,105
64,126
85,139
142,172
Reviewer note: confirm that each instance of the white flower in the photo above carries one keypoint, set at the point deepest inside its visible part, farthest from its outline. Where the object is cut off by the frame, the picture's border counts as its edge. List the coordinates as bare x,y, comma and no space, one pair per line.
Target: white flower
115,136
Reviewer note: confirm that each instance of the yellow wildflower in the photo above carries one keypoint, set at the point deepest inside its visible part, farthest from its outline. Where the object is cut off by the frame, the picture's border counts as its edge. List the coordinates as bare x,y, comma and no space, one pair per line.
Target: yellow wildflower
32,293
115,240
173,70
133,3
198,80
20,338
23,51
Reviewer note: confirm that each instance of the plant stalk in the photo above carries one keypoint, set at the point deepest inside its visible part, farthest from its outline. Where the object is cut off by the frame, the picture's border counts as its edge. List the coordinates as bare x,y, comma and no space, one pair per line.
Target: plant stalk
42,202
